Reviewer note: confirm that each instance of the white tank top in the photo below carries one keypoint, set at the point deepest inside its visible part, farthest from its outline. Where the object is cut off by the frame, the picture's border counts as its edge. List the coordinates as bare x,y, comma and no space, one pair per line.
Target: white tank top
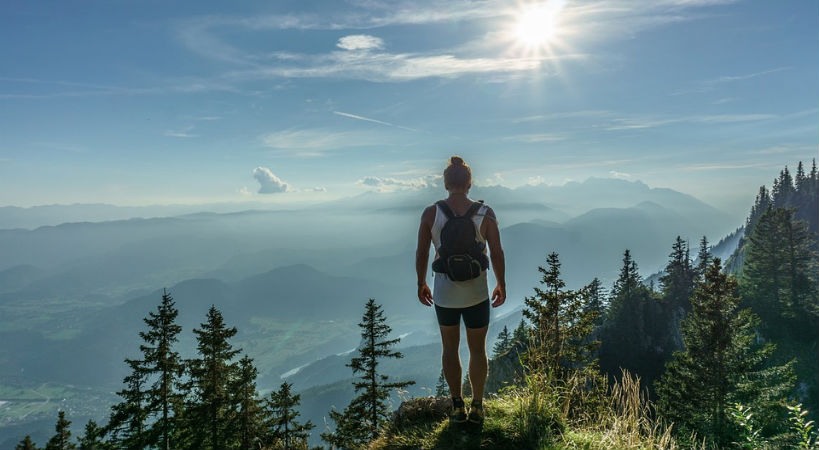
458,294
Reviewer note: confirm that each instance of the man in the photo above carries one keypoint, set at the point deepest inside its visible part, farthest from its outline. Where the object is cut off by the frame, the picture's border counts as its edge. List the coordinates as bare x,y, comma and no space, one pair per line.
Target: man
455,297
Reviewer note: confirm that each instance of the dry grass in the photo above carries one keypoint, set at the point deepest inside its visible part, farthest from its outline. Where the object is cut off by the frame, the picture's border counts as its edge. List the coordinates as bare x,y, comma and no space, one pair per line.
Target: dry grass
628,422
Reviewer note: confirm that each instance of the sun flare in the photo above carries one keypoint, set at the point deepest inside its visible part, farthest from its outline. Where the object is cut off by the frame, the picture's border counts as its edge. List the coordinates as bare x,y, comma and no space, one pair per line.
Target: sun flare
537,24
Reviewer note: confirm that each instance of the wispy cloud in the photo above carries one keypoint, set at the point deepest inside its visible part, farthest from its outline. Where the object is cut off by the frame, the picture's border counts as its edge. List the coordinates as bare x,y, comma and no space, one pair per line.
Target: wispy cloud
564,115
182,133
386,184
362,56
710,85
310,143
620,175
535,138
367,119
634,123
723,166
360,42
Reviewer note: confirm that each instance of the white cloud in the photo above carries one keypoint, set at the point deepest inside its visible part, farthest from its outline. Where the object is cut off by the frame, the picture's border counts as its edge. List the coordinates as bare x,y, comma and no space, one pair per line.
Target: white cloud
182,133
311,143
636,122
620,175
367,119
385,184
360,42
536,181
269,183
535,138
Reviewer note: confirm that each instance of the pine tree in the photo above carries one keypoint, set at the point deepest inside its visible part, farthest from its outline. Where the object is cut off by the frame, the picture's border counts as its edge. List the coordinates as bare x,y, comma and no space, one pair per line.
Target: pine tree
284,427
92,438
779,274
677,281
165,366
441,388
62,438
521,333
363,418
703,259
211,375
561,325
635,335
26,444
721,364
801,180
466,386
761,204
249,416
127,424
783,190
504,342
596,303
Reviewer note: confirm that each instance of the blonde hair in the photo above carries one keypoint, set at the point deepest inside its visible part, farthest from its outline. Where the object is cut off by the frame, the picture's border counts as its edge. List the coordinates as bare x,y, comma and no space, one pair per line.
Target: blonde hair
457,174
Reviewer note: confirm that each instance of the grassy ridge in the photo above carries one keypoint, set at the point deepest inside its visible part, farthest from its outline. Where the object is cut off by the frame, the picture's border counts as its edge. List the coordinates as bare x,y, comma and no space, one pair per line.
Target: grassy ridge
534,417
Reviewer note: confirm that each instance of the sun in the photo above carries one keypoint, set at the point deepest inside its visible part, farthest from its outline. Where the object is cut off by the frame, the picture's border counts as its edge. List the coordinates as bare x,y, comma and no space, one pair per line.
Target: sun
537,24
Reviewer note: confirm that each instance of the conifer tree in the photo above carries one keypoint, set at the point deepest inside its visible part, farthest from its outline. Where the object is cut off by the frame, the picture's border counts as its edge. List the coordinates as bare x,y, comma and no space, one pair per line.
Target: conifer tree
62,438
466,386
127,423
165,366
441,388
635,333
283,424
211,376
249,415
722,363
504,342
761,204
782,190
703,259
92,438
26,444
779,274
677,281
521,333
561,324
596,301
801,180
363,418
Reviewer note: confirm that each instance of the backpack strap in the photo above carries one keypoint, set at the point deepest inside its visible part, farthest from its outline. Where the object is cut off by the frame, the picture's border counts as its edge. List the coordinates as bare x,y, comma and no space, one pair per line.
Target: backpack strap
474,209
446,209
450,214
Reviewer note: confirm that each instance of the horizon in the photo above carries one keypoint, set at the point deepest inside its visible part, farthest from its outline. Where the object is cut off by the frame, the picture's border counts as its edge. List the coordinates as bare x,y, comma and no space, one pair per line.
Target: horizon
261,204
294,102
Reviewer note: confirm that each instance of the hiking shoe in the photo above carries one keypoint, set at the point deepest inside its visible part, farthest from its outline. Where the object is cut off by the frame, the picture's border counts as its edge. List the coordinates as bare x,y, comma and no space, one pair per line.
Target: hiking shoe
458,415
476,413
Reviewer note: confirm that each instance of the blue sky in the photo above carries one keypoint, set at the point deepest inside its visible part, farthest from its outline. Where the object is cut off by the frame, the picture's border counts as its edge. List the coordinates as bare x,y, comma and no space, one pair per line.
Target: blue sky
155,102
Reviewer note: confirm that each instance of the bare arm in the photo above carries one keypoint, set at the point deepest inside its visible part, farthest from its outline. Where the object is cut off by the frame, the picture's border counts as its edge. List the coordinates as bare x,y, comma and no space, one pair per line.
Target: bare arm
422,255
491,233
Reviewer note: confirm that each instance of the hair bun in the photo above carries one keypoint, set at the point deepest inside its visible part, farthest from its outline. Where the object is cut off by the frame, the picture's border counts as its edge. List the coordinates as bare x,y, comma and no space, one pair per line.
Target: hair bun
456,161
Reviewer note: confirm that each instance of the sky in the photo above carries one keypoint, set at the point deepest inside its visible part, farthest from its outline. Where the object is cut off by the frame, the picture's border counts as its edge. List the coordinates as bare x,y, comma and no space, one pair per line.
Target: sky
156,102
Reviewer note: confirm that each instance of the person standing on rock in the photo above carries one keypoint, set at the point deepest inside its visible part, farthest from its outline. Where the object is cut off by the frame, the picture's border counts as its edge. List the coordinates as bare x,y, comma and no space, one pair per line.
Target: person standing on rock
461,230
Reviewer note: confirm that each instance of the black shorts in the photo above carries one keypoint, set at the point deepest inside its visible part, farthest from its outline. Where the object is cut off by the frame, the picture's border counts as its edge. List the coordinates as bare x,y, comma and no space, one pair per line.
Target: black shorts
476,316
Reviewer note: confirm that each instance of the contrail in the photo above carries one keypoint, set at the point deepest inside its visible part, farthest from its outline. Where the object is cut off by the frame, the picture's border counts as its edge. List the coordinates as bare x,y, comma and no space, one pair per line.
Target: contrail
367,119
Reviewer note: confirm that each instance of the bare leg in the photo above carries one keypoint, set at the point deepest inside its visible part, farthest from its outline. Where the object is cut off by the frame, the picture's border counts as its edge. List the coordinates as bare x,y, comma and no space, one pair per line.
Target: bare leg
450,360
476,339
